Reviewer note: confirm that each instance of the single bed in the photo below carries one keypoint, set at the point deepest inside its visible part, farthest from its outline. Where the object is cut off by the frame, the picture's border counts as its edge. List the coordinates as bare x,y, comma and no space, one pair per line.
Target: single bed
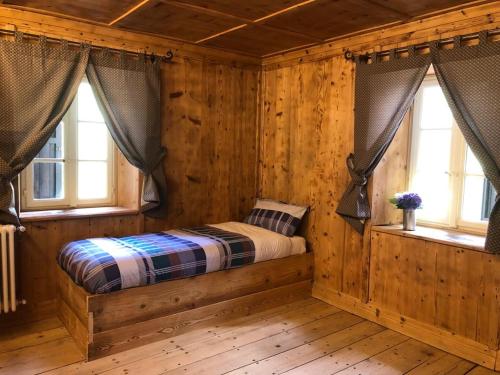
111,294
103,265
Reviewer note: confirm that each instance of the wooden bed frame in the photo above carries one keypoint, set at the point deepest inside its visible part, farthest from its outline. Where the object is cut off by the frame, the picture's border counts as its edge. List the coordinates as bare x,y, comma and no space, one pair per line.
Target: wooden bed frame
103,324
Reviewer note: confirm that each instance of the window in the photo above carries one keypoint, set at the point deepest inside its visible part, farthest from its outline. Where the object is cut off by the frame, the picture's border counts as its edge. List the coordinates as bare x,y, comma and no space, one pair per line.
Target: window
75,168
443,169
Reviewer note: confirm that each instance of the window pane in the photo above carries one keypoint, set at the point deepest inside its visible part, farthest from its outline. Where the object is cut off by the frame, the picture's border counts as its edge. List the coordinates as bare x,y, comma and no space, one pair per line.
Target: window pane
435,195
48,180
54,146
92,141
87,105
473,198
435,111
433,154
92,180
472,165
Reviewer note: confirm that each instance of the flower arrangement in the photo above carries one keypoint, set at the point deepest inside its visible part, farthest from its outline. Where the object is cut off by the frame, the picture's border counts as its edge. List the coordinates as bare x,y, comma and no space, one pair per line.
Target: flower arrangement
406,201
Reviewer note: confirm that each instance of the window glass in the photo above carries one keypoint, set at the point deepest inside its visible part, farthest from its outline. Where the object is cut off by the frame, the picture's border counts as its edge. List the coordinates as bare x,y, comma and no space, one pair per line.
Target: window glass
48,180
444,171
92,141
92,180
74,168
87,105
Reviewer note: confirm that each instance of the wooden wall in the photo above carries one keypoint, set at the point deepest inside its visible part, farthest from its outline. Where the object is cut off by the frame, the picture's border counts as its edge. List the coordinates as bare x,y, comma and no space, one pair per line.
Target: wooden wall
305,136
209,126
306,132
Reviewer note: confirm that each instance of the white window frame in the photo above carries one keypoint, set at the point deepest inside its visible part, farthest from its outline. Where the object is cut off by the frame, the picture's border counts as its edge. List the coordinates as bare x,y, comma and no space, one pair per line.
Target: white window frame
456,169
70,172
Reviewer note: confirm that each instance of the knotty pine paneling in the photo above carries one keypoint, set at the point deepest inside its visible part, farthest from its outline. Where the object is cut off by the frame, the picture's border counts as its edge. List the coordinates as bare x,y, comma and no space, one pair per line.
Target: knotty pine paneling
209,131
306,133
448,287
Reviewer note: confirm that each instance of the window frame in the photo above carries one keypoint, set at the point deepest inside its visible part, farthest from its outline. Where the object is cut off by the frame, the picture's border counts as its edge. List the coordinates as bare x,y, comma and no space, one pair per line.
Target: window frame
70,160
456,170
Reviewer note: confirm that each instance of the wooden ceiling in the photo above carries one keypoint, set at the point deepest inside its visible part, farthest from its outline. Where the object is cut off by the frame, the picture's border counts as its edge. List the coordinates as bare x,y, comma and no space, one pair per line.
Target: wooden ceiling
253,27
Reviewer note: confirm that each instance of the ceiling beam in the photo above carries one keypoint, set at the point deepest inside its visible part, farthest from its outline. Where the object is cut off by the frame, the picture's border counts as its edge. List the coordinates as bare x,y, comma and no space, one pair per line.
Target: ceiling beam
129,12
243,20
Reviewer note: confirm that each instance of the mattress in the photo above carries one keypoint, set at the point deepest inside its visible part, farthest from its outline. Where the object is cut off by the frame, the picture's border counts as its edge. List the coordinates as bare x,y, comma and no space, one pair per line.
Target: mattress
108,264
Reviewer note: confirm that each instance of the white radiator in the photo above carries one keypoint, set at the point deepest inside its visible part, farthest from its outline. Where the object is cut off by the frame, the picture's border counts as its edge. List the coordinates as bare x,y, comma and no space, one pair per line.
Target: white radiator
8,300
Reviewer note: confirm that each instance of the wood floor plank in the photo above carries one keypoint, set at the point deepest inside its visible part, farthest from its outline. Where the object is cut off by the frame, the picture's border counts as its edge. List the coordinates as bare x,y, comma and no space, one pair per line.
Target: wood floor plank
305,337
35,359
355,353
478,370
284,361
447,364
398,360
196,336
32,335
298,328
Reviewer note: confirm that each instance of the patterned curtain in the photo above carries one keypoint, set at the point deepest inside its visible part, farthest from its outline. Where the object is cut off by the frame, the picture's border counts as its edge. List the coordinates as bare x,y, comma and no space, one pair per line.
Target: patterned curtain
384,92
128,93
470,79
37,85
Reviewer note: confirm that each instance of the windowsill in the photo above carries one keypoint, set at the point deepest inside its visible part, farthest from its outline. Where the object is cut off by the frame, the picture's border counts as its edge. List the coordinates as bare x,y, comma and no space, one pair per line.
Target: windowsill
76,213
444,236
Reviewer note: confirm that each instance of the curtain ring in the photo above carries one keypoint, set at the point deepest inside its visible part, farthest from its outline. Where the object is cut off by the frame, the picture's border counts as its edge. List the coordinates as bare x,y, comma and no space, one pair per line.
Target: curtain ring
18,36
43,41
411,51
483,37
392,54
434,45
64,44
374,57
457,41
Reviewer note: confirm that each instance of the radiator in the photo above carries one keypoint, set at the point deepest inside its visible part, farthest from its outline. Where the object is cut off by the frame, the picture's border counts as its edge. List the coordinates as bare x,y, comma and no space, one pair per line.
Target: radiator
8,300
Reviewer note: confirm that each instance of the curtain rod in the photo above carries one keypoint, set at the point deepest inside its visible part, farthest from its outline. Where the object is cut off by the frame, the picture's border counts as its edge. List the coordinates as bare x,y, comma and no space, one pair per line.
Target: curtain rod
349,55
165,58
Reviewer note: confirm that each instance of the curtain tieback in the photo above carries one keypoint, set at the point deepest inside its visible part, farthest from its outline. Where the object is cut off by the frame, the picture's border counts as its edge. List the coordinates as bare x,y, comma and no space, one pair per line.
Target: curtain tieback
149,171
357,179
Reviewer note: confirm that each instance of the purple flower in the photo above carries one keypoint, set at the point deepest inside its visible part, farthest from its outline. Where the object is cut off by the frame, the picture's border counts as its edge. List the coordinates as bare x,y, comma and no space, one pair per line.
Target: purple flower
407,201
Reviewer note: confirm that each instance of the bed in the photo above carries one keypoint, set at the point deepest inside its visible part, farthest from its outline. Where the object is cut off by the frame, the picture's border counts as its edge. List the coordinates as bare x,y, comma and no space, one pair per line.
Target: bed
103,265
118,293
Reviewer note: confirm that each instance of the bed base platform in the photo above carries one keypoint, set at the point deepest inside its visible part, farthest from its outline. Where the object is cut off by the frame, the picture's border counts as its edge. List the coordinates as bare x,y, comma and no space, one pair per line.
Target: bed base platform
104,324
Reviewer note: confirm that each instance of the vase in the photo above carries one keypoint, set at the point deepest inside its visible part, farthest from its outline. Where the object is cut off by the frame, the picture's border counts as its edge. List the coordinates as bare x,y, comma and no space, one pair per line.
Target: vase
409,219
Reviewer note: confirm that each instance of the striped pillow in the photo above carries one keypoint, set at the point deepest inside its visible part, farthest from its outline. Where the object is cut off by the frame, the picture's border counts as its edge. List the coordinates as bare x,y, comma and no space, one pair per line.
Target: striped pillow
276,216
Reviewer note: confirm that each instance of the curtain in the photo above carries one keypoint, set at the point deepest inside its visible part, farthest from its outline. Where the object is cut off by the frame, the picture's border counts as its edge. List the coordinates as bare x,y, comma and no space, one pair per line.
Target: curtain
128,94
384,92
470,79
37,85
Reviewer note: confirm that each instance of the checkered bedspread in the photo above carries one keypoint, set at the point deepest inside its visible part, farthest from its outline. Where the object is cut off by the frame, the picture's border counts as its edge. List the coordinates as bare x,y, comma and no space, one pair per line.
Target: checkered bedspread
104,265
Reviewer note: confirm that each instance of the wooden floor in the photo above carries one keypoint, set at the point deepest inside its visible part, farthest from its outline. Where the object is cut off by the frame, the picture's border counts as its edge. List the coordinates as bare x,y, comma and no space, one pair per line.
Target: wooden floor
305,337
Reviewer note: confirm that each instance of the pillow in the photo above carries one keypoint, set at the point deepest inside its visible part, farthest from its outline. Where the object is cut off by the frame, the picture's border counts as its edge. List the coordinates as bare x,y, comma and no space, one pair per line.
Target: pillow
276,216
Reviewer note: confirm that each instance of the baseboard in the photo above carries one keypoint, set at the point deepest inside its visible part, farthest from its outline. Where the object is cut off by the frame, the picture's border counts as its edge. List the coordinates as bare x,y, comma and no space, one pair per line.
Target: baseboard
440,338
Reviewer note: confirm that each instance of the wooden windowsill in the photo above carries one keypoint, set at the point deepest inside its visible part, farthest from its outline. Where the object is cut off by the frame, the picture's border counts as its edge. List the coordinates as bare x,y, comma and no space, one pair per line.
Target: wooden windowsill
76,213
444,236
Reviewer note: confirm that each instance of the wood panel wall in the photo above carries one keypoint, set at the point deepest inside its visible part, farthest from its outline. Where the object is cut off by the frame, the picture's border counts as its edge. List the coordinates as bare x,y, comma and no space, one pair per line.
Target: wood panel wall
306,132
209,127
449,287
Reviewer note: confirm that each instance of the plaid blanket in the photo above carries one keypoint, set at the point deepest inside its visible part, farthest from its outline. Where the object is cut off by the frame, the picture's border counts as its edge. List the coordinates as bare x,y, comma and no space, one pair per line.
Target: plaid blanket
104,265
